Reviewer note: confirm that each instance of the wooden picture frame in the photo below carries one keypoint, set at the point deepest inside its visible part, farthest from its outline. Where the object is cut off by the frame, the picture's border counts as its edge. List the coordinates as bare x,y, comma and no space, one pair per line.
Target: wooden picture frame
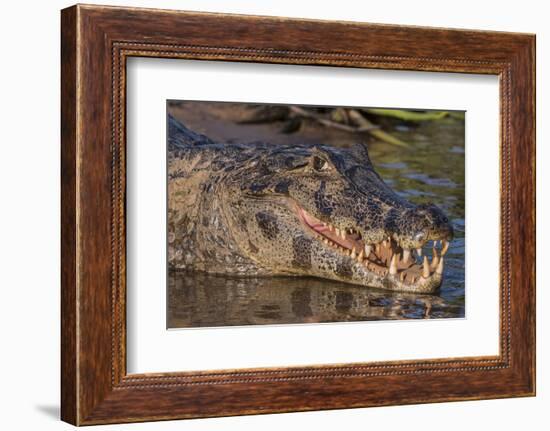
96,41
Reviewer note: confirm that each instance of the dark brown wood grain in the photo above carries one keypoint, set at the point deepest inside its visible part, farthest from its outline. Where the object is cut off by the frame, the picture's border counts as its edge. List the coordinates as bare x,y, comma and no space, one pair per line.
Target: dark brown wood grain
68,217
96,41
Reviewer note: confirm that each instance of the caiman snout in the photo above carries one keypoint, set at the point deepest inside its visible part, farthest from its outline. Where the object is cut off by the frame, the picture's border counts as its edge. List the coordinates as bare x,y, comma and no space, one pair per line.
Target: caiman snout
414,227
438,225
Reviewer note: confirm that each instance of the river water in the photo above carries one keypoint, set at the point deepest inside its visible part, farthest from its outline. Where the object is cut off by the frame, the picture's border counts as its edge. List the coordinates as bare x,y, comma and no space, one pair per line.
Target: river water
431,169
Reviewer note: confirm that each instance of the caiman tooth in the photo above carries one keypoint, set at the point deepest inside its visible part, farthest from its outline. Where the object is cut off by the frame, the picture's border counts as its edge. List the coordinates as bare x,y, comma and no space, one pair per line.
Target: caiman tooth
439,269
445,247
384,243
343,234
419,252
393,265
368,249
378,249
353,255
337,231
435,259
361,254
413,279
406,255
402,276
425,268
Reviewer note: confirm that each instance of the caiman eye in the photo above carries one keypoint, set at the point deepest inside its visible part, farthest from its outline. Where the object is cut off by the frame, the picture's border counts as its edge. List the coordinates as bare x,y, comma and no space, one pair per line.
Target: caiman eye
320,164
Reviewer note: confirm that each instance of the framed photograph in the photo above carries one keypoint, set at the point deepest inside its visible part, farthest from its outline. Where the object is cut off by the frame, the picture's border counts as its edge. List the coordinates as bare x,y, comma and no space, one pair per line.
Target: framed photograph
264,215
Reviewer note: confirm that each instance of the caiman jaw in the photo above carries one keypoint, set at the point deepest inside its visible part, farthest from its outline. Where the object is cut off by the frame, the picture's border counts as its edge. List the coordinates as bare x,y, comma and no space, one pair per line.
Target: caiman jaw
386,258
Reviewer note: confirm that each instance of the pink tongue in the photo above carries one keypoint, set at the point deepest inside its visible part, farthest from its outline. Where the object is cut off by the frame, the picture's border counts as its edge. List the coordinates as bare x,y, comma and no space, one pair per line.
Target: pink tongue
319,227
310,220
314,223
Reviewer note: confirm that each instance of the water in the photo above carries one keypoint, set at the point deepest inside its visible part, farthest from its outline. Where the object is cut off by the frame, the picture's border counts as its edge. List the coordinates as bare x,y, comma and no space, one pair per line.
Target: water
430,170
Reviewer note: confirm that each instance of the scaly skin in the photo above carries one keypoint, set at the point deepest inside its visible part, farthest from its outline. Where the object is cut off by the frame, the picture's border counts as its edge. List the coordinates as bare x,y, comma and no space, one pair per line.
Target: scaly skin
263,210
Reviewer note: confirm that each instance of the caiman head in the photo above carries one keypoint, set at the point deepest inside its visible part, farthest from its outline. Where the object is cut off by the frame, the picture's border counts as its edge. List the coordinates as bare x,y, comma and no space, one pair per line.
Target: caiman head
325,212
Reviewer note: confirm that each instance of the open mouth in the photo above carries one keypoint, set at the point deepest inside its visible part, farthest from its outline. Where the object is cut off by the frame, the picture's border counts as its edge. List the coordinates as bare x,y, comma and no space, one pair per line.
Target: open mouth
385,258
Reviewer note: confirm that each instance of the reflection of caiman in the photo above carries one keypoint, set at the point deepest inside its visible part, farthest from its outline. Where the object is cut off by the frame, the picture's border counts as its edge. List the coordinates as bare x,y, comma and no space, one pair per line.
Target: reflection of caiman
205,300
259,209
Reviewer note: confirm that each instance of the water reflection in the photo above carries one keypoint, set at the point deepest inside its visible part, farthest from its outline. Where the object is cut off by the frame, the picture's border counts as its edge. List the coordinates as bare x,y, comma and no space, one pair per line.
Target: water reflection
202,300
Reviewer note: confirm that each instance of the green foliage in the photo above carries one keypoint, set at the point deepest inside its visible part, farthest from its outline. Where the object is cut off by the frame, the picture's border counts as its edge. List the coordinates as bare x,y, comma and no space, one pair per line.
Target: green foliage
387,138
408,115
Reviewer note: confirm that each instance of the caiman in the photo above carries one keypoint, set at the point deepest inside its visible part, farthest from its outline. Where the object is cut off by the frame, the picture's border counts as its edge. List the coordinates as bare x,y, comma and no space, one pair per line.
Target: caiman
259,209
